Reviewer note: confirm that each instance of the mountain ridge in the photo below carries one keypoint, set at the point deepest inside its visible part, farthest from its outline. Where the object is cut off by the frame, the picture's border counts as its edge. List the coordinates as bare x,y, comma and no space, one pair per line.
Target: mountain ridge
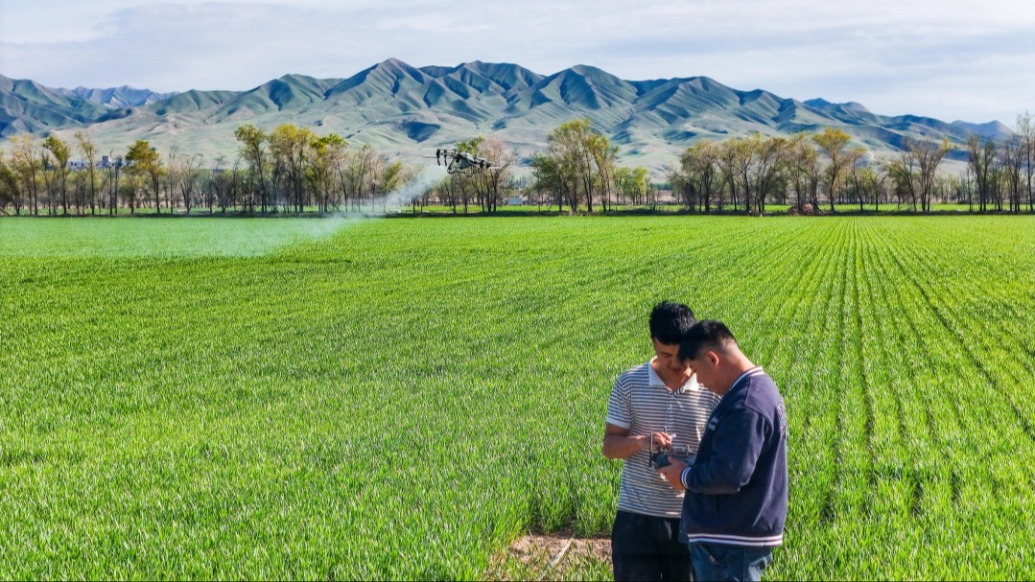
405,110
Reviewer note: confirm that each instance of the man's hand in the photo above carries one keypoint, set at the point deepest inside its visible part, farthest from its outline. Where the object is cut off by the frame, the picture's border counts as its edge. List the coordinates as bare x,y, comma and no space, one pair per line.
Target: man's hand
661,440
673,472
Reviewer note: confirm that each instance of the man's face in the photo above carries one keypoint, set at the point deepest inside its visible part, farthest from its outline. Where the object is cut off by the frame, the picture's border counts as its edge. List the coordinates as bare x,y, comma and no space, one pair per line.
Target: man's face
668,358
705,365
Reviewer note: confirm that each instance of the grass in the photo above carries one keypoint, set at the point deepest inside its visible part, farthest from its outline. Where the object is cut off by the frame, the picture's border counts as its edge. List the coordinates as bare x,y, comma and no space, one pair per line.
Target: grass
300,398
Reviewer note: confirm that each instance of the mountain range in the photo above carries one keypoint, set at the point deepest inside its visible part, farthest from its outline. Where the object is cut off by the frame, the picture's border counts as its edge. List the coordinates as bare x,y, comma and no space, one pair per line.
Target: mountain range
409,111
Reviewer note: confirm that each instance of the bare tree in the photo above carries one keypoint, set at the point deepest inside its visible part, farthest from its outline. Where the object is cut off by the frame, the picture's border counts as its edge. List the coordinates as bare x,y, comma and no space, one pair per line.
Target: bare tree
876,179
804,171
770,156
1026,133
89,151
728,162
1012,156
981,160
916,170
185,175
114,168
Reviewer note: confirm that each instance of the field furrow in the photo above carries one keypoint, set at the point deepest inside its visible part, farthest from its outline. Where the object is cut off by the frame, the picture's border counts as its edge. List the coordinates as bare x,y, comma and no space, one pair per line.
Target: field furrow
402,399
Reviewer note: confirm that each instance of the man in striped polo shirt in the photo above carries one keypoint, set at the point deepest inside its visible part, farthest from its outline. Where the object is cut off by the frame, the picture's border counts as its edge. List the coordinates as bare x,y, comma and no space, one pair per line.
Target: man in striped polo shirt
655,405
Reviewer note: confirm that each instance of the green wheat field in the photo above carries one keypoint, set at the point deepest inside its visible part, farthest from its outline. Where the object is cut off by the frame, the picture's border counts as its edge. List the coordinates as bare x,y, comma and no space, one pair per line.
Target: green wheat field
403,398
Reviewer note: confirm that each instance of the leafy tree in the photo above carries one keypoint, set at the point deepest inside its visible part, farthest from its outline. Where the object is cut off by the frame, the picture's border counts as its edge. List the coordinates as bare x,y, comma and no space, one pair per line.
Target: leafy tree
604,156
572,145
833,142
547,177
328,153
10,193
145,163
700,166
633,183
290,149
27,163
254,151
59,169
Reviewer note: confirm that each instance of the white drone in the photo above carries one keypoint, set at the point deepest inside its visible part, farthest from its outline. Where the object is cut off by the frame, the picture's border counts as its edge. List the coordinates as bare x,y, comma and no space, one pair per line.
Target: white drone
457,161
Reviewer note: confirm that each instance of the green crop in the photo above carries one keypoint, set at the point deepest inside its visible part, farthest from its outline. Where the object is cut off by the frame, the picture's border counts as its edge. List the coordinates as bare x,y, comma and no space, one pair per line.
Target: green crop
402,398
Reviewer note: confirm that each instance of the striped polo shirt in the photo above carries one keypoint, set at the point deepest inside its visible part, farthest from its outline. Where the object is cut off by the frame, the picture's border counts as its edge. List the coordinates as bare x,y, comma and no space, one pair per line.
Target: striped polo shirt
642,403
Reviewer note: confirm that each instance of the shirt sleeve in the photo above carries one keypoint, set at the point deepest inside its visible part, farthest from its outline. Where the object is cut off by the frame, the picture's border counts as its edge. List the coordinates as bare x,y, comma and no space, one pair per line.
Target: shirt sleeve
738,442
619,406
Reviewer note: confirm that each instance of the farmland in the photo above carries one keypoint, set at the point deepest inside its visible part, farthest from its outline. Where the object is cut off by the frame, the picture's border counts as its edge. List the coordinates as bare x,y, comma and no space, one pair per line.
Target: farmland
402,398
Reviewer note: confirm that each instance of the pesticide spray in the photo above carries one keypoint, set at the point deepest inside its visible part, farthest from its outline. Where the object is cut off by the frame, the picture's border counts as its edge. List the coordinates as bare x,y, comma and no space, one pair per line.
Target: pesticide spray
394,202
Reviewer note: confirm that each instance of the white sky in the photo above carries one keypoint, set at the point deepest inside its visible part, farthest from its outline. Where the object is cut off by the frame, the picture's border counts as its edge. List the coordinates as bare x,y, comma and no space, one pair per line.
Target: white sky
972,60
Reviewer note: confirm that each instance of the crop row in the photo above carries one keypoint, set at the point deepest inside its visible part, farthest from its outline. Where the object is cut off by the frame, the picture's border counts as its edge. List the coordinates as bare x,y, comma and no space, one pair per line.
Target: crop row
403,398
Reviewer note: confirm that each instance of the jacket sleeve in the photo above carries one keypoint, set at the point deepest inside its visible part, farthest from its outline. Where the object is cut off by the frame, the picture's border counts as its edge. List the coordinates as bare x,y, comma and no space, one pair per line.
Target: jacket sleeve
739,440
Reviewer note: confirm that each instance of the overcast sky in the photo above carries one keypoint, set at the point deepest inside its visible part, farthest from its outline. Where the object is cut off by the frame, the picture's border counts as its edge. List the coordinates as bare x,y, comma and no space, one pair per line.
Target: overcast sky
948,59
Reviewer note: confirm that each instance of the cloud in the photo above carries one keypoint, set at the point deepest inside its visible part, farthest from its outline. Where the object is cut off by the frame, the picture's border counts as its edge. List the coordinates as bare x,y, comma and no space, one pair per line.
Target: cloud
893,56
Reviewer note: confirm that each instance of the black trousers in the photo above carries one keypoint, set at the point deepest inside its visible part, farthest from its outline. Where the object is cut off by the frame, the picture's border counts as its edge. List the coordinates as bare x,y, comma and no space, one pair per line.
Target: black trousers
648,548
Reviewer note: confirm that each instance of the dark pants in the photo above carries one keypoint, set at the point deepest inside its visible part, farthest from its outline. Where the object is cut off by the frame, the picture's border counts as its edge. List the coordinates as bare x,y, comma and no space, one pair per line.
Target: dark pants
648,548
722,562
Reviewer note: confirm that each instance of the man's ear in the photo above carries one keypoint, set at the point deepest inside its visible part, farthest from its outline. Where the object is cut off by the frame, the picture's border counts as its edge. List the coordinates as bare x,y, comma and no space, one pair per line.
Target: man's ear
712,358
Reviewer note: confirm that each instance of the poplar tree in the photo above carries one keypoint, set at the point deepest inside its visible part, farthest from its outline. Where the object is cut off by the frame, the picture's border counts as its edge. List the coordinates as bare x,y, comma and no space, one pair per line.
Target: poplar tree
146,165
833,143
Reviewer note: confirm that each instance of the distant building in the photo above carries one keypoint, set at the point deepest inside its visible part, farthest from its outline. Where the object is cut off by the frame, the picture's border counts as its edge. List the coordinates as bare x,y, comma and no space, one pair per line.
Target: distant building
514,201
107,162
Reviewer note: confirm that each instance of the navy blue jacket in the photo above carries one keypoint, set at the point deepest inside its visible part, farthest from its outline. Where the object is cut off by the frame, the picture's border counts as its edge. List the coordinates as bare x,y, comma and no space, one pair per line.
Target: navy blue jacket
736,490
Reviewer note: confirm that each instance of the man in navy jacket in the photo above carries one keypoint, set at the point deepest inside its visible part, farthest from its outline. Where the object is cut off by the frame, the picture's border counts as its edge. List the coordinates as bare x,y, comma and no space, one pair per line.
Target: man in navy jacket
736,489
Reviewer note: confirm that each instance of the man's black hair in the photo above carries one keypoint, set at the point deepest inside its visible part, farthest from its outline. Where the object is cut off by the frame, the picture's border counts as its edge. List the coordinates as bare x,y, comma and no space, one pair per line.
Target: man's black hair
670,321
707,333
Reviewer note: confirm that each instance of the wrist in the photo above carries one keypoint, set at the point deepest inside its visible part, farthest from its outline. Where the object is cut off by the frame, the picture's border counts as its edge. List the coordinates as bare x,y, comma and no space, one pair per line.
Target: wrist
643,442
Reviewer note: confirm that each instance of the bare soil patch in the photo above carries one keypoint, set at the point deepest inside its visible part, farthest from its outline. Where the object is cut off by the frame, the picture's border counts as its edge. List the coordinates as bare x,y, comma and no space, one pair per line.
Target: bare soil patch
552,557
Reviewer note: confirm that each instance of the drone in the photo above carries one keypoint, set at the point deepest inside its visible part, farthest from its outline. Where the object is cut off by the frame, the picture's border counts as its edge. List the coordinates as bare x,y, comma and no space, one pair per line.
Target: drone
457,161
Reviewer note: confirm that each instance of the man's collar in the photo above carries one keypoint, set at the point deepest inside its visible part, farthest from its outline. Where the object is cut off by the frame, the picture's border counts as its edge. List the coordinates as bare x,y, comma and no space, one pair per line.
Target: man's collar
655,379
752,372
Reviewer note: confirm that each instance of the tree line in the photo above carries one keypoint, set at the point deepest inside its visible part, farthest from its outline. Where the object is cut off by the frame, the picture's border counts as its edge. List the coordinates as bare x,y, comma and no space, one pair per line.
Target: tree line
822,169
292,169
289,169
